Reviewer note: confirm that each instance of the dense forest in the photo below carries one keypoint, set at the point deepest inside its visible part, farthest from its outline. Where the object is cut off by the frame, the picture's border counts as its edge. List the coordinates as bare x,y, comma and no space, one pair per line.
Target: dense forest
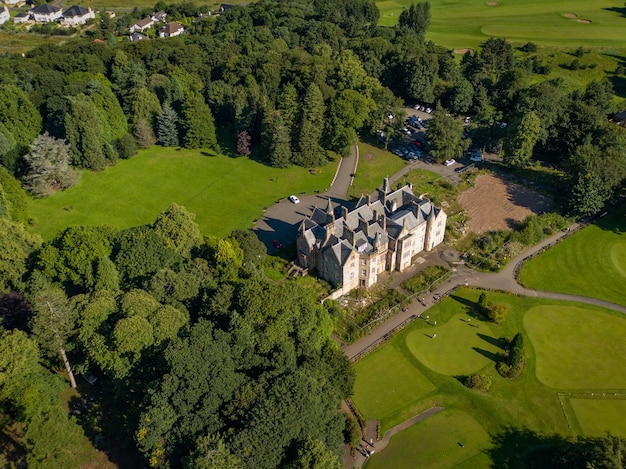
202,361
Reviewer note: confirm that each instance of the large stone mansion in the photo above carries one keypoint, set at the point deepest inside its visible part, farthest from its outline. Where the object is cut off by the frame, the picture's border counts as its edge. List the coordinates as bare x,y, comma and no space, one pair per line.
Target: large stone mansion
377,235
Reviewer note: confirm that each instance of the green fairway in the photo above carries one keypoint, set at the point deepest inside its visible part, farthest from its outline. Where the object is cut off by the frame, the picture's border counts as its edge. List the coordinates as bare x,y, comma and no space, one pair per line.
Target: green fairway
388,384
460,348
598,416
568,23
434,443
577,348
224,193
568,347
590,263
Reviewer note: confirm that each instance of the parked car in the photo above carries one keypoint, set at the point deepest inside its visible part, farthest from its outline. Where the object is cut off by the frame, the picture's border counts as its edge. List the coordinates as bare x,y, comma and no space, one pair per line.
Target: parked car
476,158
277,244
294,199
416,107
449,162
428,110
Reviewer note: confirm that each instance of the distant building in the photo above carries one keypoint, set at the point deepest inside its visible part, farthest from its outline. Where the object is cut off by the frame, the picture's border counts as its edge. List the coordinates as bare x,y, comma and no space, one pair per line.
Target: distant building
351,249
77,15
171,30
134,37
13,2
46,13
4,15
142,25
159,16
22,17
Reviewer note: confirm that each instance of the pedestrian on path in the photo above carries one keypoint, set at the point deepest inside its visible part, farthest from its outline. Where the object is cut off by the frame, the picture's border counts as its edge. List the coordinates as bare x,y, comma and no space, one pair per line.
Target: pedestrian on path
434,335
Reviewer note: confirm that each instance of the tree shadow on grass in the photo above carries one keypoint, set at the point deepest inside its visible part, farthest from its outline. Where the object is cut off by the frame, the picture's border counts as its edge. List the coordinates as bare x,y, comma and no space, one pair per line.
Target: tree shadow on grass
494,357
492,340
523,448
464,301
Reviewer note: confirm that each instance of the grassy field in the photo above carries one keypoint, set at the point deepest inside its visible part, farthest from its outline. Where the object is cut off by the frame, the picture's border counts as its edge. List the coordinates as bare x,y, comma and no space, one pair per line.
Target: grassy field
19,43
592,351
224,193
434,442
525,402
468,23
374,165
395,385
591,263
597,416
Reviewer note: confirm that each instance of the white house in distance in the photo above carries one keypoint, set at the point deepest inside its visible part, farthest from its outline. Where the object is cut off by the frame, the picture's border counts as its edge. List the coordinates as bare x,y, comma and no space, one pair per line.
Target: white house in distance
142,25
4,15
171,29
13,2
46,13
351,249
77,15
21,17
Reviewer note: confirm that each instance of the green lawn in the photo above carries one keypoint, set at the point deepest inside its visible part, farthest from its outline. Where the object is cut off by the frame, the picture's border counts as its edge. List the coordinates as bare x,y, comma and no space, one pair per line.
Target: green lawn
388,383
590,263
467,348
407,360
597,416
434,443
464,24
224,193
577,348
374,165
19,43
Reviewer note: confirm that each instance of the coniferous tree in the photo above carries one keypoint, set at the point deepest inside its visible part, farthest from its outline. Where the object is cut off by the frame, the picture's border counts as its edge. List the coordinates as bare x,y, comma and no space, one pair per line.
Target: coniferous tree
167,127
310,151
197,123
49,167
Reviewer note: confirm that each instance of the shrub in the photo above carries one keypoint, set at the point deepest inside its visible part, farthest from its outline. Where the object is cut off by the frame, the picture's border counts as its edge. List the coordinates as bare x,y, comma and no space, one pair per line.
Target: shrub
352,432
126,146
529,47
496,313
478,382
426,279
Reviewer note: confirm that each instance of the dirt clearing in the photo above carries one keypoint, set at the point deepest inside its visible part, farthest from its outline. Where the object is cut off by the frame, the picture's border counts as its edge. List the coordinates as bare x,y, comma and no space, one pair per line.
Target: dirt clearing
497,204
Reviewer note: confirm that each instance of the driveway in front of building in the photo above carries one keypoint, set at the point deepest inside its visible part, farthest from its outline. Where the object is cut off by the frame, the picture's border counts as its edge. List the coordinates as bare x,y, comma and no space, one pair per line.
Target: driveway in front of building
280,222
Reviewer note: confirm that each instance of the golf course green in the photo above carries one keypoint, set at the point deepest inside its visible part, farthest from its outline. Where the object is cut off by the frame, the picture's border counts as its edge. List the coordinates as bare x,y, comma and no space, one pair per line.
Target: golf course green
564,23
590,263
572,381
577,348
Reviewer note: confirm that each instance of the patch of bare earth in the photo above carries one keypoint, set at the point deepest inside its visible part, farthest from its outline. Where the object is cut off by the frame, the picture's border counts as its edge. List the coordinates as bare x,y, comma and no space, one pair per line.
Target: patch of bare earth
492,4
497,204
570,15
462,51
583,21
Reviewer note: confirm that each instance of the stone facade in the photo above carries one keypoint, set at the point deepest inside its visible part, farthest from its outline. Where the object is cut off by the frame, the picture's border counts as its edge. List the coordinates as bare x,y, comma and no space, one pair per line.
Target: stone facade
351,248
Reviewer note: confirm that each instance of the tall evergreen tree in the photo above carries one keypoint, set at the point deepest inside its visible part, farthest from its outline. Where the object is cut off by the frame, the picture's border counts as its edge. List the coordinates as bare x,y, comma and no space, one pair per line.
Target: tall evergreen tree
310,151
197,123
276,141
84,133
167,127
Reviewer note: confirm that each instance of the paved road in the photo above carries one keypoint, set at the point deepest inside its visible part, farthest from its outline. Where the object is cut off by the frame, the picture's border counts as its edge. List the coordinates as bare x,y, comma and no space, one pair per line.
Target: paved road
281,221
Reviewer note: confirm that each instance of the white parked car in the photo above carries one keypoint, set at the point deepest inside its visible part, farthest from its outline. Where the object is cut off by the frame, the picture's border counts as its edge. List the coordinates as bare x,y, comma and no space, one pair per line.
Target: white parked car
476,158
449,162
294,199
428,110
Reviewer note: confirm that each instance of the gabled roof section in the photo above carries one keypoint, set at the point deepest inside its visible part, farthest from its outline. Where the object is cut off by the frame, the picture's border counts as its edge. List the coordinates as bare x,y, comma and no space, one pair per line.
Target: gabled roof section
75,10
45,9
